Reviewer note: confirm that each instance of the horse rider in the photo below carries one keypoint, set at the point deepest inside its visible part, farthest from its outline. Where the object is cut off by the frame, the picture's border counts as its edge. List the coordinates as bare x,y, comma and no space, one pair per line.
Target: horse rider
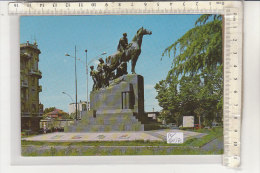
123,43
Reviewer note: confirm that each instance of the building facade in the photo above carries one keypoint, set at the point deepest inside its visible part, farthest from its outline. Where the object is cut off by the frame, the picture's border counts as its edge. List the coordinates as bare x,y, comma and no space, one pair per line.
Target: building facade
153,115
31,109
54,121
81,106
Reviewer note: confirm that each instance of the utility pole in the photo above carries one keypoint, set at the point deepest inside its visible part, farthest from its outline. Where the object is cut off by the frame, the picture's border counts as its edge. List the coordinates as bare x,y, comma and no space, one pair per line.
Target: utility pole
76,83
87,74
76,88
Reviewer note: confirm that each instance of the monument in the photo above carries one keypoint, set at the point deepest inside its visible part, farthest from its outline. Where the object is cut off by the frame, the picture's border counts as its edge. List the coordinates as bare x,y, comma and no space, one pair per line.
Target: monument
117,98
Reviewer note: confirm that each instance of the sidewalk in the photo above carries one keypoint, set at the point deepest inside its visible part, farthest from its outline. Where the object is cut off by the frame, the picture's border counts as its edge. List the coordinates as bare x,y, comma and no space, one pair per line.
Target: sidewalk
154,135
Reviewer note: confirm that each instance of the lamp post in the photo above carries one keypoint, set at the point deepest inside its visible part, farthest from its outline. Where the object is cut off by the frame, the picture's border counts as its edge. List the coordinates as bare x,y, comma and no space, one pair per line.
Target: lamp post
87,74
76,103
68,95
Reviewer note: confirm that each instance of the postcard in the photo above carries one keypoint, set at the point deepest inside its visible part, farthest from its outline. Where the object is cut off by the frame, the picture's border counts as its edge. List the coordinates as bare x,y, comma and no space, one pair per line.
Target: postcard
102,85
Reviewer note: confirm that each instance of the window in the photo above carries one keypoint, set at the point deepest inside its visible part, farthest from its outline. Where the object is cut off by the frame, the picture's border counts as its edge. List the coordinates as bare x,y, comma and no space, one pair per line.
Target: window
126,100
33,107
35,67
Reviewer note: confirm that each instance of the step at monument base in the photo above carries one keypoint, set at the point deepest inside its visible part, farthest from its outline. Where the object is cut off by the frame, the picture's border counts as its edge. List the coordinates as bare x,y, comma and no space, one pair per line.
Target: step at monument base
118,107
111,121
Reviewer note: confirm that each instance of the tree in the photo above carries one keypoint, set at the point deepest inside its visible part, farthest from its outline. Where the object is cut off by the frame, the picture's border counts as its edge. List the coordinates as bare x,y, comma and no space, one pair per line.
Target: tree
199,49
73,115
47,110
65,115
194,85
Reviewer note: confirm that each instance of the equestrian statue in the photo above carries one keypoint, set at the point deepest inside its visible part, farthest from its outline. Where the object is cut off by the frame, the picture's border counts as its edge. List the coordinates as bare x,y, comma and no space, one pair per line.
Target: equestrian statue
118,61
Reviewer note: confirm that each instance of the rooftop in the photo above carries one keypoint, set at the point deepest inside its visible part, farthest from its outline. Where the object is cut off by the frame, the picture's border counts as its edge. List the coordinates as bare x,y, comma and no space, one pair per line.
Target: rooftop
27,44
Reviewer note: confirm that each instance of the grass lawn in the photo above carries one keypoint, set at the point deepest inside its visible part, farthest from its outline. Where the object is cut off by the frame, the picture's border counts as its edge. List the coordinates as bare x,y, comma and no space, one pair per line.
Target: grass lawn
212,134
189,147
97,151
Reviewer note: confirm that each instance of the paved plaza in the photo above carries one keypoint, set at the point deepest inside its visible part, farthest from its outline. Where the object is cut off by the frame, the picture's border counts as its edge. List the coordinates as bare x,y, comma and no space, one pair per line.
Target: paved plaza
154,135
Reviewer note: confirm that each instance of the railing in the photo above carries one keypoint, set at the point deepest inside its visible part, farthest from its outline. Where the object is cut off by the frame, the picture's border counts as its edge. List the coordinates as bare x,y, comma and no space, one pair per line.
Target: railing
28,44
24,83
25,114
36,72
37,114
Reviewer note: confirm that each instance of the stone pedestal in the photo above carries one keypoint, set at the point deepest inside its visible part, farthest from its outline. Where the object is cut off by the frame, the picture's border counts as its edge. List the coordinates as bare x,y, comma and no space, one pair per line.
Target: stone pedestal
126,92
119,107
117,120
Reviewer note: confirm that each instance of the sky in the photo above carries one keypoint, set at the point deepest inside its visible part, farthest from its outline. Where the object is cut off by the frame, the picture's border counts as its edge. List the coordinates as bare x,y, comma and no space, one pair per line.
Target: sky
58,35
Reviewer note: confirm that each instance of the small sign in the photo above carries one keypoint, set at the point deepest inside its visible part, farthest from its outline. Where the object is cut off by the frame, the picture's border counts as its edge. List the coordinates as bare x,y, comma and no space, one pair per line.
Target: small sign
188,121
175,138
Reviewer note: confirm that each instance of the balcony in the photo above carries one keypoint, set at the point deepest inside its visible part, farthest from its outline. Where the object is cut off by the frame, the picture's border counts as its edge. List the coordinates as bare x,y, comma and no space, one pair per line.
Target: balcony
25,114
39,88
26,55
37,73
39,115
24,84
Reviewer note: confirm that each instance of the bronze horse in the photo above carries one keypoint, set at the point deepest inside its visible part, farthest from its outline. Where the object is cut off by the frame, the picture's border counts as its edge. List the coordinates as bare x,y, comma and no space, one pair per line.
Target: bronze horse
132,52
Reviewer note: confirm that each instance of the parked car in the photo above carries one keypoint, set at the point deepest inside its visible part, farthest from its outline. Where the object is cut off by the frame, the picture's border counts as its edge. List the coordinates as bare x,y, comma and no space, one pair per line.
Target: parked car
214,124
163,125
172,126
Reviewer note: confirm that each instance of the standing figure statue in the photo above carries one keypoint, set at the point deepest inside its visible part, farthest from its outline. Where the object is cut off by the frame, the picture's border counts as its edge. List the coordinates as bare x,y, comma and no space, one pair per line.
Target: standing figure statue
107,75
100,73
121,69
93,74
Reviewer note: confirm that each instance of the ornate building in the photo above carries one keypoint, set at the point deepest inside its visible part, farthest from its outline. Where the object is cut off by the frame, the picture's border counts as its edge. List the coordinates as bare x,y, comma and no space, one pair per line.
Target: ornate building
31,109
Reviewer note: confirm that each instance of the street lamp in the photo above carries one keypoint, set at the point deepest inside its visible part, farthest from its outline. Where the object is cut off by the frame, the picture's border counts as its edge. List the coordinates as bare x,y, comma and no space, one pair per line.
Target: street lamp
87,74
75,80
68,95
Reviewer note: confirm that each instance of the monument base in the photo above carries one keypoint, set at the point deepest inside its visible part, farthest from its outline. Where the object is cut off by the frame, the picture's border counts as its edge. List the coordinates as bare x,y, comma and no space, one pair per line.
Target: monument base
119,107
125,92
117,120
